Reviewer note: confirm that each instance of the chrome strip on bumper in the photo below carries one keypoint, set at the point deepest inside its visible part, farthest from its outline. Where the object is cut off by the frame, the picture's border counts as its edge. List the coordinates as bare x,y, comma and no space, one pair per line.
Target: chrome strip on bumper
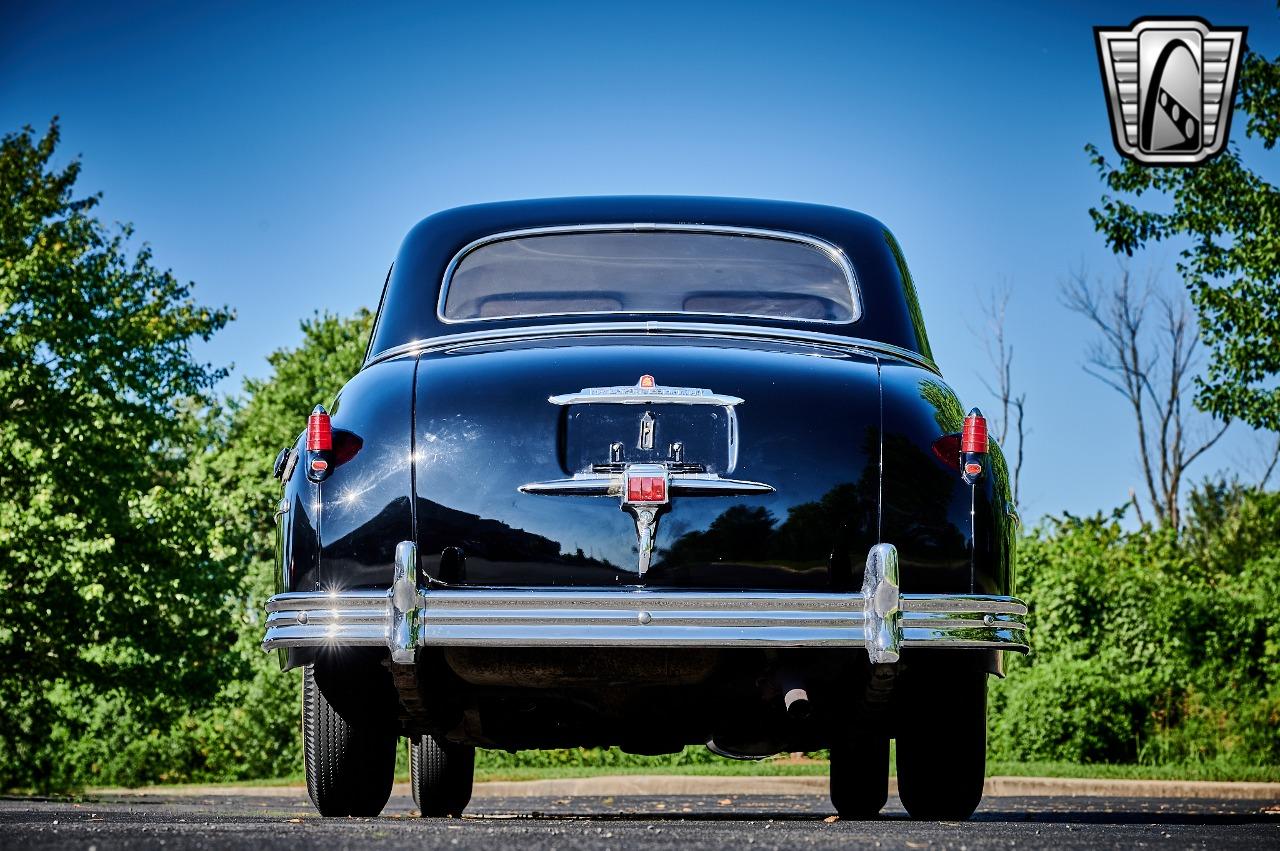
319,619
534,617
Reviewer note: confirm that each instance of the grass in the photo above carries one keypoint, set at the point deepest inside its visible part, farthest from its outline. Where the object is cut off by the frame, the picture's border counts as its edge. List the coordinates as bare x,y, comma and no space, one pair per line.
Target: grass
533,765
764,768
1189,771
1260,773
783,767
584,765
590,764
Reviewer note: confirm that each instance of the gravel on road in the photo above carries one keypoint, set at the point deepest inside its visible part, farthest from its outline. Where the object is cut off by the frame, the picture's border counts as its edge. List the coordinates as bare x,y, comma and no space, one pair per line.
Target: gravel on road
285,820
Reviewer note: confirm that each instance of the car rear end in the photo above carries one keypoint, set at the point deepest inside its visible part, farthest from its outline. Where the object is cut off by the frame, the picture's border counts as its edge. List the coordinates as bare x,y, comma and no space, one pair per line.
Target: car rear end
646,525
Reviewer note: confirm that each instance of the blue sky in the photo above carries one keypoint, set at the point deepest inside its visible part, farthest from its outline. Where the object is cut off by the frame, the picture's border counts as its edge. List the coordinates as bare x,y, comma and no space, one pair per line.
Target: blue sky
276,154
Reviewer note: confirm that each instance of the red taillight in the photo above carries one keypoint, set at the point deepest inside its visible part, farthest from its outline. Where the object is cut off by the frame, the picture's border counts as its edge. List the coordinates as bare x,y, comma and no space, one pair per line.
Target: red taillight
974,436
319,431
646,489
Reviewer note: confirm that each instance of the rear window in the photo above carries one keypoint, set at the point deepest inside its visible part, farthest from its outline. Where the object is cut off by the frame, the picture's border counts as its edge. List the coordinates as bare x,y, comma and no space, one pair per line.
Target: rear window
712,272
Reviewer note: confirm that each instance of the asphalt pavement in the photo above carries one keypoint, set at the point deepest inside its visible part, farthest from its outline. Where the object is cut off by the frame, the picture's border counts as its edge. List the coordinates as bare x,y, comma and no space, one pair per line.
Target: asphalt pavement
285,820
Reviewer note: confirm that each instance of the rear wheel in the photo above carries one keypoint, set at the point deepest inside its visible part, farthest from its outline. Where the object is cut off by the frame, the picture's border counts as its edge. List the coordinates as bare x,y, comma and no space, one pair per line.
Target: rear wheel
440,774
350,757
942,758
860,777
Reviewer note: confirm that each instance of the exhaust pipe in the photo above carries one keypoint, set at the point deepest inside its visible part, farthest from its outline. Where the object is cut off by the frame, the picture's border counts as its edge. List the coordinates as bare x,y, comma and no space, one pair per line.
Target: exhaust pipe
797,703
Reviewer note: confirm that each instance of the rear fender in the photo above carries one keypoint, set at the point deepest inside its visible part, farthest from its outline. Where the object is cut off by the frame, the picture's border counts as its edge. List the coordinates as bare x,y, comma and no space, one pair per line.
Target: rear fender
297,535
341,532
951,537
365,501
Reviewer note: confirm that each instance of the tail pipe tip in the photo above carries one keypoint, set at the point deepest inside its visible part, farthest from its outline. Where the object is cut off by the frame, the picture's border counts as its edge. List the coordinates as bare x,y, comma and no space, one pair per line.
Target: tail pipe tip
796,702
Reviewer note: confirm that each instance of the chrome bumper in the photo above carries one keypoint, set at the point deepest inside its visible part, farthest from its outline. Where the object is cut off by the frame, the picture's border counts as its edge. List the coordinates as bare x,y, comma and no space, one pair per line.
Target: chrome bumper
880,619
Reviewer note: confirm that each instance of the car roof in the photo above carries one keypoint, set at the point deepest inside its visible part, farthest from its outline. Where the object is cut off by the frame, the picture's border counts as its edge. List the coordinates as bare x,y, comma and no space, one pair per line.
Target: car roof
890,316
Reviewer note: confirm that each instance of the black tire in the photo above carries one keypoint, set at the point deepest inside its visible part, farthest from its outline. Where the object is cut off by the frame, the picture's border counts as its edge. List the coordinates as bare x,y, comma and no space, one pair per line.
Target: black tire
350,760
942,747
860,778
440,775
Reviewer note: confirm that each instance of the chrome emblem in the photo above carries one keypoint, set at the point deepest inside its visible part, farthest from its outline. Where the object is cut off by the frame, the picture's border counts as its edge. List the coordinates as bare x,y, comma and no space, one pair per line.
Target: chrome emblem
647,425
645,490
1170,84
642,394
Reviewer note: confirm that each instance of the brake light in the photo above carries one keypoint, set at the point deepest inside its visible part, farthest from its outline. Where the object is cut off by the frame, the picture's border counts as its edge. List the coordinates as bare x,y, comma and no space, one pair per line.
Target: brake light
646,489
319,431
974,436
965,452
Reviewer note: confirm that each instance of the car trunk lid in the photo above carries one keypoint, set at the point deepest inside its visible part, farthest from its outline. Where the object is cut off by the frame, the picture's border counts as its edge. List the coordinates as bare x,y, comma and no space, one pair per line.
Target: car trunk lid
663,461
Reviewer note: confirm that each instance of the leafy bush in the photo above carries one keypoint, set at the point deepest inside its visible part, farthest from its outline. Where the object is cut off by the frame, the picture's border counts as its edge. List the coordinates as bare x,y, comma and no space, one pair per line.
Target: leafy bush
1156,646
1067,710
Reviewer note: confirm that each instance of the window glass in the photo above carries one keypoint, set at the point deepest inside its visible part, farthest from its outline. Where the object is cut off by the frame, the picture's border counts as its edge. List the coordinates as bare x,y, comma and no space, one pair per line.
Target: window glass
697,272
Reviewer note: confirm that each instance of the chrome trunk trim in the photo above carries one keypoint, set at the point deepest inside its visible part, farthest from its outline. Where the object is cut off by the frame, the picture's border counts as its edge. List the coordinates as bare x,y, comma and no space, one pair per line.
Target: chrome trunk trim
638,395
705,330
681,484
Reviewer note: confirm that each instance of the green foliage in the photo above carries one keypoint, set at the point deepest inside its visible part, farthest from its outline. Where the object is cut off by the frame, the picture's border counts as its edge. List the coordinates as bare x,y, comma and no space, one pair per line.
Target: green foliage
1169,636
1067,710
1231,217
246,727
136,535
252,728
1155,646
103,523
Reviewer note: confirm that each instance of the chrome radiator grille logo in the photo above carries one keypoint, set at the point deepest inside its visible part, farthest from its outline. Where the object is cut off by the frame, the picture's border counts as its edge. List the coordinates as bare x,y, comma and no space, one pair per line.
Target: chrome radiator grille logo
1170,84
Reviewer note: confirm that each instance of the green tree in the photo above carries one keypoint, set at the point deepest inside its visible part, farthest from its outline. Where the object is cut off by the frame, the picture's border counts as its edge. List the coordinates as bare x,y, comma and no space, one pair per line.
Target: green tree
112,594
1230,216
